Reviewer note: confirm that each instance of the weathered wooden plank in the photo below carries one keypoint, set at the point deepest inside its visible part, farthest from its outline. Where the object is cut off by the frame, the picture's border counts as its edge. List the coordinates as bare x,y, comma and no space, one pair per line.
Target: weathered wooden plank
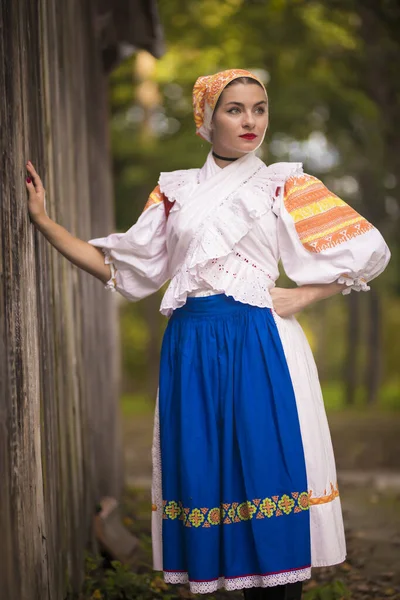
59,424
24,480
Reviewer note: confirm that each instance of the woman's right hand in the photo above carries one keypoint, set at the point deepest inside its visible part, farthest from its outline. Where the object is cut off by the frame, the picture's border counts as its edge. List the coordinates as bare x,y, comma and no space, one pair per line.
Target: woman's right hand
37,193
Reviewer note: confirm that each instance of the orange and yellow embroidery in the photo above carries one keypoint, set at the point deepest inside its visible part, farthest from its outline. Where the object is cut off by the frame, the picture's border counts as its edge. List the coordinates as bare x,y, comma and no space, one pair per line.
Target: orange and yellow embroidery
237,512
322,220
155,197
325,498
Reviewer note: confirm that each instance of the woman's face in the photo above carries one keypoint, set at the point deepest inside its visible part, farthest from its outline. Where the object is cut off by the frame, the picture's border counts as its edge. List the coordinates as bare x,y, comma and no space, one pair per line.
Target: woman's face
240,121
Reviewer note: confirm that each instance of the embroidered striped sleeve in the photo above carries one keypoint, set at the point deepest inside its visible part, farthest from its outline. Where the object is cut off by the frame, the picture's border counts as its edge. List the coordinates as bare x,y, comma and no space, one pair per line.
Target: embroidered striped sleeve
322,239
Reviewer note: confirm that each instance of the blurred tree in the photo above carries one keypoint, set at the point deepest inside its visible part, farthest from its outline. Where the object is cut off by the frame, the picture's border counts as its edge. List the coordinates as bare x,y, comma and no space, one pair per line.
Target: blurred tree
378,30
148,100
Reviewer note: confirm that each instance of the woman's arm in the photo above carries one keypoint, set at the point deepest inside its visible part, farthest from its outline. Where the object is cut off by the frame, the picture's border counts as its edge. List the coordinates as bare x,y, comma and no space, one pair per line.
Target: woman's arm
80,253
289,301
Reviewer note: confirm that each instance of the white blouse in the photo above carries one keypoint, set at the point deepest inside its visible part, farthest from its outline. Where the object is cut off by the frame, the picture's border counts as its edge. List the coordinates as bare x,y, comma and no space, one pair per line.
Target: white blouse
239,247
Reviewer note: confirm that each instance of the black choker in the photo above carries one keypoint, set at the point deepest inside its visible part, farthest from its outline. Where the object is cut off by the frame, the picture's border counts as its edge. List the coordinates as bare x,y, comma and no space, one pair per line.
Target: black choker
223,157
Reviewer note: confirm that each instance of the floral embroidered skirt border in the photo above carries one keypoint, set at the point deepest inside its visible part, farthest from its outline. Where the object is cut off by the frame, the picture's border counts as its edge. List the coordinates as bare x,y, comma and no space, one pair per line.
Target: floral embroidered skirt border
244,481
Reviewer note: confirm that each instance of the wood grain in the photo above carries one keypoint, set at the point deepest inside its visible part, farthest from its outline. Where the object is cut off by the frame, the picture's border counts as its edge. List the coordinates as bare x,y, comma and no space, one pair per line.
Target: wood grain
60,446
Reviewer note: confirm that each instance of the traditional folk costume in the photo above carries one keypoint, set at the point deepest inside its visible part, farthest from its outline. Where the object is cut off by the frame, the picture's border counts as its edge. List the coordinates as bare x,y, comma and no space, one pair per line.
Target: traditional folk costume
244,481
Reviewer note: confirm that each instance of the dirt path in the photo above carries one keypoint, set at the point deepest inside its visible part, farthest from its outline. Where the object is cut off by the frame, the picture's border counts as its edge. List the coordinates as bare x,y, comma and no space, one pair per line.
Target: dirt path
367,450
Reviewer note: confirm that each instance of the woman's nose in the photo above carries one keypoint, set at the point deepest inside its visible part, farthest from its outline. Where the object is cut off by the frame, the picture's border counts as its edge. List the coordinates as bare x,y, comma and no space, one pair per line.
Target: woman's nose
248,120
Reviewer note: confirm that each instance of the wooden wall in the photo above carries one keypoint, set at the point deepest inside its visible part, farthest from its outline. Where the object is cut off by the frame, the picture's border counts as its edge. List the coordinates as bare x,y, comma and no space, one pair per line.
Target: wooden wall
59,427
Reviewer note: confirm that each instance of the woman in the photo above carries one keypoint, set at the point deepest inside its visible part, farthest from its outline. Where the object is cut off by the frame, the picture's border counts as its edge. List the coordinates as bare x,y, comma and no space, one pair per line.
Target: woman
247,497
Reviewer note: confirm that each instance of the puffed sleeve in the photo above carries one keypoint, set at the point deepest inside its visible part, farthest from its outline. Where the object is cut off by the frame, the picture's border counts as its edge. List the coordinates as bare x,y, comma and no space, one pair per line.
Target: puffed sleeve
322,239
139,258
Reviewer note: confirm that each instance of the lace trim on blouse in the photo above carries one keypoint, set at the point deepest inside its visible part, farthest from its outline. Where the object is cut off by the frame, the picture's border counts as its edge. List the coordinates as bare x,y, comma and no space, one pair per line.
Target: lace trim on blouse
216,239
358,284
112,282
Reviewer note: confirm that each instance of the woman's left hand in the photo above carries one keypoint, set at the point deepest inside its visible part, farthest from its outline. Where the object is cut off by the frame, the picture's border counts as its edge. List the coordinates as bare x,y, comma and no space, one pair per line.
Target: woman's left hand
289,301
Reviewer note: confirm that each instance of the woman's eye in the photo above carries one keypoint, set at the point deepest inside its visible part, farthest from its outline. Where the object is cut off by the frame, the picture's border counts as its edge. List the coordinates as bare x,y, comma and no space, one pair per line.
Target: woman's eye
235,111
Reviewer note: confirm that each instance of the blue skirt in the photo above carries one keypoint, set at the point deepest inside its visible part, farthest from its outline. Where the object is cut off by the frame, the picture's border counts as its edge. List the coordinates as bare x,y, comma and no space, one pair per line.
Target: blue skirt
235,499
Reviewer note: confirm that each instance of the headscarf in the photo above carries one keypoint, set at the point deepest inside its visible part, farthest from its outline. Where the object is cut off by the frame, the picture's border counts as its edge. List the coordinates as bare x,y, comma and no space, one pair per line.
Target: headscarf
206,92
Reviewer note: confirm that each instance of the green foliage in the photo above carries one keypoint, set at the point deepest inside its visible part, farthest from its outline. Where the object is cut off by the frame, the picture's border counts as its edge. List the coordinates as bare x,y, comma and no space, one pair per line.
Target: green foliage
119,582
136,404
141,331
334,397
115,581
135,338
315,61
336,590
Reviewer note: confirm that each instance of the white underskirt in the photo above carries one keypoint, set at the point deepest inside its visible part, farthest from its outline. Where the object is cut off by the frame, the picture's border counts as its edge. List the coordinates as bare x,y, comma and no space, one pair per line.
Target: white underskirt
328,546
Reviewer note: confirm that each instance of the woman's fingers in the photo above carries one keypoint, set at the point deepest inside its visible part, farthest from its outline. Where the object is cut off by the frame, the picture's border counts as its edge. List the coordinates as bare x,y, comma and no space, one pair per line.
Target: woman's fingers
35,177
36,194
29,185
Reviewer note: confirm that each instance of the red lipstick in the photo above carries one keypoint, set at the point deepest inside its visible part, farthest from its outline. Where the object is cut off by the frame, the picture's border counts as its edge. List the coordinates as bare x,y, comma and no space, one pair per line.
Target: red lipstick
248,136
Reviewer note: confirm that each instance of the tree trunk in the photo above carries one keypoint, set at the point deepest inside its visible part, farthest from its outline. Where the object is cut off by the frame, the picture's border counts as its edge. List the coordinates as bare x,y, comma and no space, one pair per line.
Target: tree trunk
373,364
353,337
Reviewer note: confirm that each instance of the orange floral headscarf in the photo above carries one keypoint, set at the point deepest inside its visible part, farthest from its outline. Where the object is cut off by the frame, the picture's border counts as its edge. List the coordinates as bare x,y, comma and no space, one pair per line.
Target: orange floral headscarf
206,92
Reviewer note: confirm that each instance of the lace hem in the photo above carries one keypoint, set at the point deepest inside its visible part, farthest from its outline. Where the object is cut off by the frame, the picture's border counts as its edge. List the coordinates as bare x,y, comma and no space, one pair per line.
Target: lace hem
238,583
358,284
